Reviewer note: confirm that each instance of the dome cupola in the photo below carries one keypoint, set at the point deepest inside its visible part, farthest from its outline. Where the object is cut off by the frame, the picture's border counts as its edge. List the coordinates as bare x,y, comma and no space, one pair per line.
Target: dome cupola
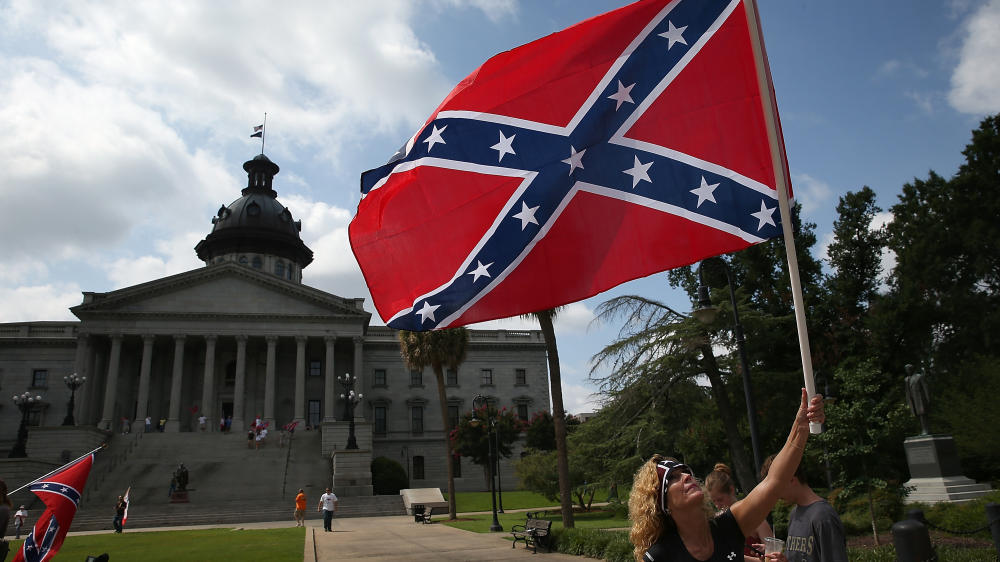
256,230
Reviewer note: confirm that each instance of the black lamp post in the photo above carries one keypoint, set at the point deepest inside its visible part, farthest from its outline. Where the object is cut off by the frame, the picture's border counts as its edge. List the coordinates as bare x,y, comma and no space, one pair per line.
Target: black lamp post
25,402
351,398
73,382
477,402
496,449
706,314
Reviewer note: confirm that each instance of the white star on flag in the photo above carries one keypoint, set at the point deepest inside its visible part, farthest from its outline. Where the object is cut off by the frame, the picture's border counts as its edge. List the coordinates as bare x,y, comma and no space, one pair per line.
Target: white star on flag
706,192
674,35
480,271
622,95
639,172
575,159
505,146
764,215
527,215
427,312
435,137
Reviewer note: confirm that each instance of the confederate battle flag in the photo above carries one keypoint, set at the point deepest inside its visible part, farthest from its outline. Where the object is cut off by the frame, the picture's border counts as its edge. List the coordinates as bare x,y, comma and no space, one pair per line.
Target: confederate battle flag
628,144
61,493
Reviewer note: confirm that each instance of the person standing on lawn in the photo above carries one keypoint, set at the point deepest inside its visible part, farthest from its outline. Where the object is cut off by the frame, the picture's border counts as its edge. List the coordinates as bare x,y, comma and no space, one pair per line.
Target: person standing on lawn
300,508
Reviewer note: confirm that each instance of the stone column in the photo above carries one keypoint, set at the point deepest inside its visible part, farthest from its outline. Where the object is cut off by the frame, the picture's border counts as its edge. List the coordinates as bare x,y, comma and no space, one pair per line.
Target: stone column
207,399
272,347
142,406
111,387
359,384
330,386
81,366
300,379
241,381
174,411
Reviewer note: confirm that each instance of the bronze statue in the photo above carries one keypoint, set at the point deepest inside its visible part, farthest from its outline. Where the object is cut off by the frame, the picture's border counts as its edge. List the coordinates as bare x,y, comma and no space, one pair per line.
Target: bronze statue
918,397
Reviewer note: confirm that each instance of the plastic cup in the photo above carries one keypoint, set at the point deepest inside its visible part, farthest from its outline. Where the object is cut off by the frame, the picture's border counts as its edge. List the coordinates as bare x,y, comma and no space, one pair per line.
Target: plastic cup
773,545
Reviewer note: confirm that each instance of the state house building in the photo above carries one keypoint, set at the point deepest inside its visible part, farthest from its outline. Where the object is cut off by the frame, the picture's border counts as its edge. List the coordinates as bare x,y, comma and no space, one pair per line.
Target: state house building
244,337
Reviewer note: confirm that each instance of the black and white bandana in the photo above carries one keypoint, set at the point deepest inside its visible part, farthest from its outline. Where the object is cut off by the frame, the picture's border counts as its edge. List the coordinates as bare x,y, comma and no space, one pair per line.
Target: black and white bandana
663,470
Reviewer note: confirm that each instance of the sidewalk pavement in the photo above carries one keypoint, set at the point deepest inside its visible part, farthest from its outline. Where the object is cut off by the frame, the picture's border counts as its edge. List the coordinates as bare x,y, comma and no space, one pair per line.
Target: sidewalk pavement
395,537
398,537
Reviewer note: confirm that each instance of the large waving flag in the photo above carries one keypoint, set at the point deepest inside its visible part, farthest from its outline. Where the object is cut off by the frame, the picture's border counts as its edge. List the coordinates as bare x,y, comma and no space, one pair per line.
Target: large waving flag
60,492
628,144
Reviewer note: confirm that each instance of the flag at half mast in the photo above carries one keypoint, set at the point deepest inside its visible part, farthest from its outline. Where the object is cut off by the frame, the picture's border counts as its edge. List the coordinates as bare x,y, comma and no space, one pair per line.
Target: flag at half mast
628,144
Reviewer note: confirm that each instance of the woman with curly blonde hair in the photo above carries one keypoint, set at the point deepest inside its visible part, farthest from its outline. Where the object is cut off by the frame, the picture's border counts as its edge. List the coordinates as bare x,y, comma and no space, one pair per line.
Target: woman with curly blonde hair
671,520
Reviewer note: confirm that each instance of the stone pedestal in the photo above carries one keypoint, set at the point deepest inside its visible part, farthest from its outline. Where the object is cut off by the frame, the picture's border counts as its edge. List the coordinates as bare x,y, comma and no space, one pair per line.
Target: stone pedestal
335,436
179,497
352,472
935,473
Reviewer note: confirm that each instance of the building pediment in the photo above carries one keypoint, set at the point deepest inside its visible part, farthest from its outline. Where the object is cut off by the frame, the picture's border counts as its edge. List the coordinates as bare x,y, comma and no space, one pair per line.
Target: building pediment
222,290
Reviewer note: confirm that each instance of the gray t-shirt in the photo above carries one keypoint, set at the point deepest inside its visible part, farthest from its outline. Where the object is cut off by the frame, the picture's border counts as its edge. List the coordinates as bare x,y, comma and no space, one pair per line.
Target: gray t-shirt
815,534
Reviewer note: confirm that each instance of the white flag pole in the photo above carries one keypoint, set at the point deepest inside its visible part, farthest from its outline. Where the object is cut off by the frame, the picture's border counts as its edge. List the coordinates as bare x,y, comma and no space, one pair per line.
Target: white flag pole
780,164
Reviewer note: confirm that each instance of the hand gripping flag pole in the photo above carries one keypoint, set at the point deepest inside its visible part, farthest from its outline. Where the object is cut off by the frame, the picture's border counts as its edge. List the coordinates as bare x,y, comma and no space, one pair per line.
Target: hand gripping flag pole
780,162
60,491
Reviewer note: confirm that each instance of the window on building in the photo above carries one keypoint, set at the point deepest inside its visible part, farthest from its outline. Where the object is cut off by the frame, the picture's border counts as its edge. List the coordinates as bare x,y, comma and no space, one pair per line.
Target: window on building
416,378
453,415
35,417
522,411
279,268
314,415
315,369
257,263
417,419
520,376
242,260
486,376
40,378
291,271
418,467
381,426
456,466
451,377
379,377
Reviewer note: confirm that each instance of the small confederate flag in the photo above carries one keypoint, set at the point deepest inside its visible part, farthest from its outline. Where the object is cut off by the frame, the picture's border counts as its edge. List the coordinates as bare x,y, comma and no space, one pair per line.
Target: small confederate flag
60,493
127,503
628,144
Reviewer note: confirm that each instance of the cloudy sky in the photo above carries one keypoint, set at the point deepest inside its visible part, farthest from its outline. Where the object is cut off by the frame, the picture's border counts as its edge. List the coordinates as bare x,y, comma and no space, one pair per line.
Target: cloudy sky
125,124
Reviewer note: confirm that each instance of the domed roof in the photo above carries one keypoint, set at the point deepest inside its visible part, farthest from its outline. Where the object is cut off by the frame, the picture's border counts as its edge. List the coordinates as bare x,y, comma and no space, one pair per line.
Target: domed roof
256,222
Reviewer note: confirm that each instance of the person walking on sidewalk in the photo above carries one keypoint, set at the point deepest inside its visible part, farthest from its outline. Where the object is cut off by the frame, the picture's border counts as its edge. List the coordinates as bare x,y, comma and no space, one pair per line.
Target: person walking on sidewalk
328,504
300,508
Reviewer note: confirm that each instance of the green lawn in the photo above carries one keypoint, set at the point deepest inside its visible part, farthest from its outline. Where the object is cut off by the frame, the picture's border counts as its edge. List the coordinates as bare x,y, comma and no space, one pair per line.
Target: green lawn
278,545
590,520
515,499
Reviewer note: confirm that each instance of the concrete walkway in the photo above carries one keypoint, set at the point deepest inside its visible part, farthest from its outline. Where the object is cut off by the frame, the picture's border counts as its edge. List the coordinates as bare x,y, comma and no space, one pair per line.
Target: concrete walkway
400,538
390,538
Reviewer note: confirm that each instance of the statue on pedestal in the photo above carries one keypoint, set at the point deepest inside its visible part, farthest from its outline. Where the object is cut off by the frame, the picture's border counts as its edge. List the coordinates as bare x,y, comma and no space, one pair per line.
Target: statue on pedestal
918,397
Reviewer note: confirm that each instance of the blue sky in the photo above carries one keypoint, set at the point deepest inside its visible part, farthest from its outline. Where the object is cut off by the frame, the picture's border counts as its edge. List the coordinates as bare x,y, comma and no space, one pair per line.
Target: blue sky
126,124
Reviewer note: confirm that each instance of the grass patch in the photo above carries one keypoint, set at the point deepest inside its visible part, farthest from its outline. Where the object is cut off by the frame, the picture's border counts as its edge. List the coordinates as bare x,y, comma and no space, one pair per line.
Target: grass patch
280,545
587,520
515,499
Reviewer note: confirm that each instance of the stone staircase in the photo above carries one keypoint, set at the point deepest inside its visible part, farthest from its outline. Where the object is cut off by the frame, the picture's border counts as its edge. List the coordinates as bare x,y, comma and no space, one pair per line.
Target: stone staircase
229,483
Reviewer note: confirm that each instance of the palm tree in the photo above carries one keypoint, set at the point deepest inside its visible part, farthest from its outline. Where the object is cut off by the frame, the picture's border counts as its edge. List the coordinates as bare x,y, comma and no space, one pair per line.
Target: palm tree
545,318
437,349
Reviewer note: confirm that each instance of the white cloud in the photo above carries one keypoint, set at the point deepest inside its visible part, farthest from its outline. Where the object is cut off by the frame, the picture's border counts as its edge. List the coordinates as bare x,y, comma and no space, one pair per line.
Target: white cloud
579,399
824,246
975,82
811,192
923,100
40,302
894,67
173,256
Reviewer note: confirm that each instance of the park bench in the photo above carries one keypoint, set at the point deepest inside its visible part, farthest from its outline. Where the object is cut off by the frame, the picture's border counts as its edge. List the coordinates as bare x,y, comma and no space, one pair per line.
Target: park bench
421,514
533,532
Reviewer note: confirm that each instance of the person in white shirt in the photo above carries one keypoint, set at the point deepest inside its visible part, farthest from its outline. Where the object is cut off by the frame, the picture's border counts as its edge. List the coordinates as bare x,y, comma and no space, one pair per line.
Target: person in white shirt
328,503
20,517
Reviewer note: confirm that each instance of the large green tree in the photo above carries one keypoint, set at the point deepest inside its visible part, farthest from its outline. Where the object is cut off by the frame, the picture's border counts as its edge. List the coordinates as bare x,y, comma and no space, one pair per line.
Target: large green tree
438,349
